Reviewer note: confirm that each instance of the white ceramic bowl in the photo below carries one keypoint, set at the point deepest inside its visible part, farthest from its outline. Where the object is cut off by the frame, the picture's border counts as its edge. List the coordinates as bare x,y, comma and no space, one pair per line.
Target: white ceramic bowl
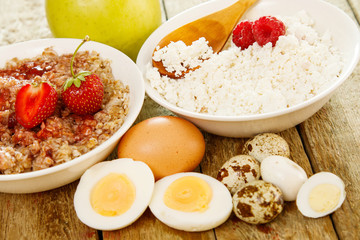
346,38
123,68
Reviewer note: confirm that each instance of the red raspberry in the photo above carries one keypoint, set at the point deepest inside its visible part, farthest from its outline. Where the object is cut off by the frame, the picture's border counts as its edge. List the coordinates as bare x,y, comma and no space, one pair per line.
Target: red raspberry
268,29
242,35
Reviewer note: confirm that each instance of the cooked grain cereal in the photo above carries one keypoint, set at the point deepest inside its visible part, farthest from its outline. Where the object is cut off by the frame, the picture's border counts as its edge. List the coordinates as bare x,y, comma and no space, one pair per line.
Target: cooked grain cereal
63,136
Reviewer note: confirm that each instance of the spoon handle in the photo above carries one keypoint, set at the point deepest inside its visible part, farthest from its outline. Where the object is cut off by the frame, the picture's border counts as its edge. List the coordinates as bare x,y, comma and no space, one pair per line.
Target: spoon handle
223,24
216,27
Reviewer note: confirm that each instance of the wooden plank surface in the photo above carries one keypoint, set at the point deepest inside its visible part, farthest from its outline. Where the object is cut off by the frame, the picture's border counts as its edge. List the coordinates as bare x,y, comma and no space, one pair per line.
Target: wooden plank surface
328,141
290,219
332,142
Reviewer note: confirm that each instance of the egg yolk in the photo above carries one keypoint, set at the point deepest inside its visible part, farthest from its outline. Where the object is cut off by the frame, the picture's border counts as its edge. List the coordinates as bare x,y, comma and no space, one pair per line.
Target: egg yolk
188,194
324,197
113,195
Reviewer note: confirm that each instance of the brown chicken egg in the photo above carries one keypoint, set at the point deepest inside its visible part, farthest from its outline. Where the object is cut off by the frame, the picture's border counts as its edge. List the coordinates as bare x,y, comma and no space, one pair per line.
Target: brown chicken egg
166,144
258,202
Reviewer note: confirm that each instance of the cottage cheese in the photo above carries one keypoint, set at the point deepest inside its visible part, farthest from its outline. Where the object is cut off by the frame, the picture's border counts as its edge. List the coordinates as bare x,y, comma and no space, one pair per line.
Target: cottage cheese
252,81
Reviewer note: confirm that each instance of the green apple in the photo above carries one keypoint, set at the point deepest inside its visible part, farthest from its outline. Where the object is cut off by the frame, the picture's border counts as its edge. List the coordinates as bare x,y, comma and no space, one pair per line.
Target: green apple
123,24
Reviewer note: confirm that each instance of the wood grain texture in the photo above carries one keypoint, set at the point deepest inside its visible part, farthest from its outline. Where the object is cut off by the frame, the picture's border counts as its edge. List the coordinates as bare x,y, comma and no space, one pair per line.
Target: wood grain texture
355,7
149,228
220,150
44,215
328,141
332,142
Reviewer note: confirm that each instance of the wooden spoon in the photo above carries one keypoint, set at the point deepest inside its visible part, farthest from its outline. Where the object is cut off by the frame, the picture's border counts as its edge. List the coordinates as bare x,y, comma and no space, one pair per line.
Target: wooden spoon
216,28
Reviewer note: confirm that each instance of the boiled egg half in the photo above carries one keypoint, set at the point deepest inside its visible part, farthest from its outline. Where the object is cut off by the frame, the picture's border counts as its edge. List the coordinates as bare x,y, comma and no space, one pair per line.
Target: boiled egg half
320,195
113,194
191,202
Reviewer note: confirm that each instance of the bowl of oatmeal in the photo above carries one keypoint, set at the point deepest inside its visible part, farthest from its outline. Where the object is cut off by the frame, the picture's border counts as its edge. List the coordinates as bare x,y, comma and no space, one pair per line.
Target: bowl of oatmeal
239,93
64,145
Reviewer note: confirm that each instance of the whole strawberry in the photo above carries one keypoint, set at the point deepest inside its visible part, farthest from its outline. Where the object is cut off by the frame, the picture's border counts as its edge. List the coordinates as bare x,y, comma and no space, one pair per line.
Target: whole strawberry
34,103
83,93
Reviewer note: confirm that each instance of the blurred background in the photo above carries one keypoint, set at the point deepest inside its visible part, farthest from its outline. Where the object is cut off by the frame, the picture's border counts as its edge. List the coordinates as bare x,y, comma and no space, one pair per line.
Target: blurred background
15,16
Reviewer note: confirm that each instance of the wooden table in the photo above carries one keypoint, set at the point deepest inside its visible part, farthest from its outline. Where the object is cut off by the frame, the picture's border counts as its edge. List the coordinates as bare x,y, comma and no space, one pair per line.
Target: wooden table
328,141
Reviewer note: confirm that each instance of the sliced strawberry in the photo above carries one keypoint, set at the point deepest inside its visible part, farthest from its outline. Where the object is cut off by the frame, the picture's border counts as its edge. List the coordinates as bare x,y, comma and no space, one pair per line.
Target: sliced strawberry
83,93
86,98
34,103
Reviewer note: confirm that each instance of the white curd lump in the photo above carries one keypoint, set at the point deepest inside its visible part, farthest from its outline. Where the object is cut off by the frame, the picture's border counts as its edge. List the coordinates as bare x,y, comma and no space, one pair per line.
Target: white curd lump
256,80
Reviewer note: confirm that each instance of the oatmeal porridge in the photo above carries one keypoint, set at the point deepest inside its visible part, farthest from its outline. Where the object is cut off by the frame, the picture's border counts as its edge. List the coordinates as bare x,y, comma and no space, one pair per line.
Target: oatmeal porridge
64,135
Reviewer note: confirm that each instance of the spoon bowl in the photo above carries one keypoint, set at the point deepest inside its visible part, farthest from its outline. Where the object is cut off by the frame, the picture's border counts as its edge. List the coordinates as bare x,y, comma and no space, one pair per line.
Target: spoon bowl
215,28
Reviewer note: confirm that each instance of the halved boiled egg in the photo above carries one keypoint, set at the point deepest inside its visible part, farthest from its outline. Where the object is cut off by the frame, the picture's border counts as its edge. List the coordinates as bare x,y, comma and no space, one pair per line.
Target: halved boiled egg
191,201
113,194
320,195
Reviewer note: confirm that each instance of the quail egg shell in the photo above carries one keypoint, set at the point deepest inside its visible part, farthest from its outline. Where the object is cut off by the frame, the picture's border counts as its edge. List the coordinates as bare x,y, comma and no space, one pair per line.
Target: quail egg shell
320,195
191,202
258,202
285,174
237,171
265,145
113,194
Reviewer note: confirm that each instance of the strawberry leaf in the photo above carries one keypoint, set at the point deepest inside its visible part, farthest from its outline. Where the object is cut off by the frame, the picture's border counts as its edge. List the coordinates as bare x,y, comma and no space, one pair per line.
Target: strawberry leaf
83,75
77,82
68,83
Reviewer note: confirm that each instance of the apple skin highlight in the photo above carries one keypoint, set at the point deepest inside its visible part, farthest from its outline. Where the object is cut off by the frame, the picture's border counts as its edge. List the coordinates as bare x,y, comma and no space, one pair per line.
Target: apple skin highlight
122,24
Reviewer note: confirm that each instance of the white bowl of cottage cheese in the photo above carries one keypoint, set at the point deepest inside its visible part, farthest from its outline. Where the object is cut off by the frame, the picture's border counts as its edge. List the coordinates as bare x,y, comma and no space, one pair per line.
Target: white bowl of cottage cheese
239,93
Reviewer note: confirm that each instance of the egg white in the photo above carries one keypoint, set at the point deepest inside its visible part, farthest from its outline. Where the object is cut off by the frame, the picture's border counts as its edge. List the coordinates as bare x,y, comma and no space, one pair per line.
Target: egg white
285,174
302,200
218,212
140,175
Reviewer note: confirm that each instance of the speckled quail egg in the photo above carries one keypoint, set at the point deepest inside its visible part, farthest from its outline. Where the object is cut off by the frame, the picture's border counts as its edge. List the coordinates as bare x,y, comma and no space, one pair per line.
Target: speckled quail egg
113,194
191,202
237,171
320,195
285,174
266,144
258,202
